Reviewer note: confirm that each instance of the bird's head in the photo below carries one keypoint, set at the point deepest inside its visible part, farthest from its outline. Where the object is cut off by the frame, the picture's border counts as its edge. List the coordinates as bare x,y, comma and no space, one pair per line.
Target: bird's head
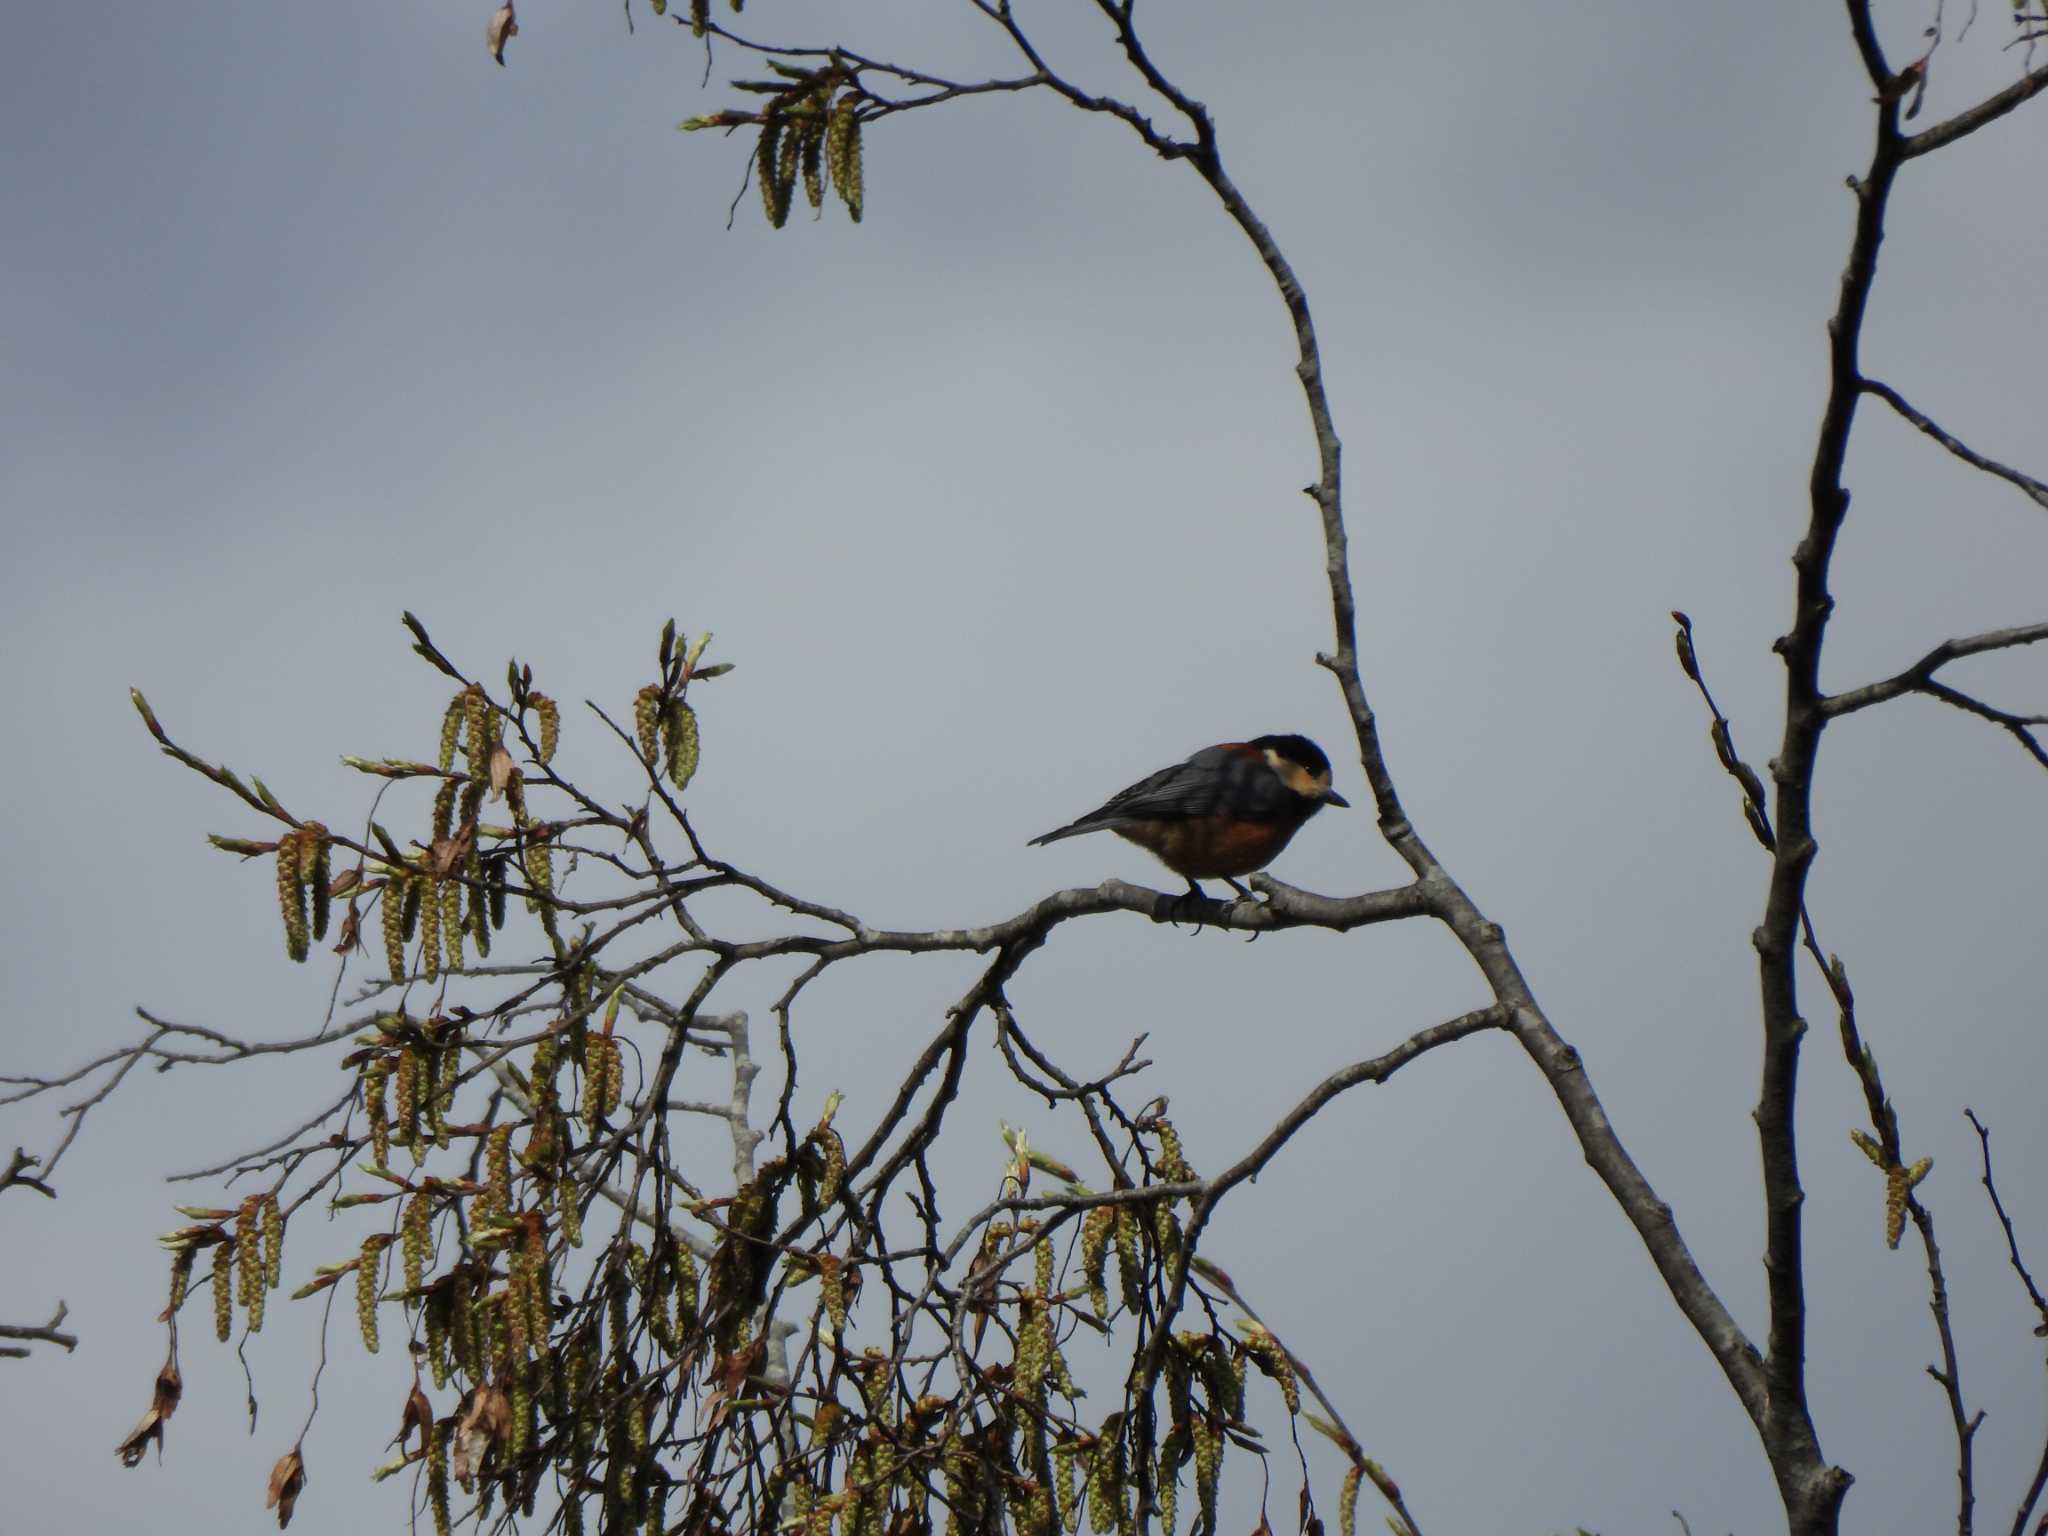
1302,767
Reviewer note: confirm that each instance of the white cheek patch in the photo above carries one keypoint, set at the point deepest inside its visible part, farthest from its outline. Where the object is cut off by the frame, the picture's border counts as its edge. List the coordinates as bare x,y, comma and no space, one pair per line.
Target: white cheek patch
1310,786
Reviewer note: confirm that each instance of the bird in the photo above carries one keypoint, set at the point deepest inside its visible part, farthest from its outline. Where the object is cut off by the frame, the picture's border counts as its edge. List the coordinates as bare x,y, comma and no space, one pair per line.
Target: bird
1224,812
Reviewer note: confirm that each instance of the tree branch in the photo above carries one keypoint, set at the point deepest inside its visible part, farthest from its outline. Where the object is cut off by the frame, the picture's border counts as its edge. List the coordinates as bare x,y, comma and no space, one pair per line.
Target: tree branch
1919,678
1812,1490
1984,113
2034,489
2012,1246
49,1333
1559,1062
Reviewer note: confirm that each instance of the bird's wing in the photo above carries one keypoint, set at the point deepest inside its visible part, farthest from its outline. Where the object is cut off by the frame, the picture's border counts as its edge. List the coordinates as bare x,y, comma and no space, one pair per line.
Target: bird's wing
1214,777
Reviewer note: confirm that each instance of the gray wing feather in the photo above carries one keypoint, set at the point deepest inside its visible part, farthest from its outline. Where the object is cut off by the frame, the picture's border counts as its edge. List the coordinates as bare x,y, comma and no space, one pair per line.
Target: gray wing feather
1211,778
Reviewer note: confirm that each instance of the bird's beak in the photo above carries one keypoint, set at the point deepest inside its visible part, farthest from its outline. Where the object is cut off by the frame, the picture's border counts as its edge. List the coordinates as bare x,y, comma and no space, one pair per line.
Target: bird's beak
1331,797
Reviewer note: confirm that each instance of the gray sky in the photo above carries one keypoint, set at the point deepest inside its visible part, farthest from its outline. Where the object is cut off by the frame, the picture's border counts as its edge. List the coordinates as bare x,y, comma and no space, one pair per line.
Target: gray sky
311,314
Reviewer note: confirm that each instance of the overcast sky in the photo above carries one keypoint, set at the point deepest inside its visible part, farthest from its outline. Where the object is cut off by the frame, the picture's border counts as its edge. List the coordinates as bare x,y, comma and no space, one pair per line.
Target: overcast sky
311,314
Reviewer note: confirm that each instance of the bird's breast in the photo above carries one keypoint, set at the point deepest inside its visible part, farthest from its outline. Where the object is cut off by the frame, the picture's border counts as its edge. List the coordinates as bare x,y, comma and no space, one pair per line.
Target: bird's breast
1212,847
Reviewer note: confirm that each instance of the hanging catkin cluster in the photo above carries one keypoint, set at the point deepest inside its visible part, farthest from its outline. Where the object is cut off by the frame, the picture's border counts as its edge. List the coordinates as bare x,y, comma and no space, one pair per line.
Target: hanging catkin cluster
810,133
594,1369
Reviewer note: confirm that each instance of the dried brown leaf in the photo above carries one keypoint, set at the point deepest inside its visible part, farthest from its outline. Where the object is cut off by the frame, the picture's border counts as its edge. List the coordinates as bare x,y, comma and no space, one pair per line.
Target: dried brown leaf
449,853
484,1422
503,771
418,1414
136,1446
350,938
170,1386
503,25
728,1377
287,1481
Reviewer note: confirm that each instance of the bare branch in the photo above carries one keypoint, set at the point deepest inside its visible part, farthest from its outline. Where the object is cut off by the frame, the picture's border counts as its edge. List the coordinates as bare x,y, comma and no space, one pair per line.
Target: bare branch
1374,1070
1985,112
2012,1246
2035,490
1919,677
1003,15
1812,1489
49,1333
17,1174
1948,1375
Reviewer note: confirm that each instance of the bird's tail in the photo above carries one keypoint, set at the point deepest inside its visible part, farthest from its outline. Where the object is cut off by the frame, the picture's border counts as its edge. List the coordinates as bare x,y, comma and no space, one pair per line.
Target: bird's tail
1071,829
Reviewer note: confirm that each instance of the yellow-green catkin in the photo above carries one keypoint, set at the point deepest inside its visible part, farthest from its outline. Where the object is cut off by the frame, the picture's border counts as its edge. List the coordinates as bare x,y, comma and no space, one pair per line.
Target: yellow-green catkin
249,1266
408,1093
603,1075
223,1297
249,1258
843,155
181,1277
1064,1456
439,1067
1062,1376
647,721
498,1170
437,1478
1129,1271
550,716
451,921
1173,1163
684,747
833,1152
1034,1345
476,733
533,1296
393,914
785,162
444,809
366,1289
291,897
376,1113
1105,1487
273,1241
813,159
774,202
480,916
1208,1468
538,858
451,728
314,871
570,1215
1095,1229
430,930
434,1317
418,1234
472,808
1275,1362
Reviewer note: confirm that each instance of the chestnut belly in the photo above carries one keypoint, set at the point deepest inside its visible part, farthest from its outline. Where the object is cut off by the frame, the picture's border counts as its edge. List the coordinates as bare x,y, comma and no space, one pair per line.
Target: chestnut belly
1211,847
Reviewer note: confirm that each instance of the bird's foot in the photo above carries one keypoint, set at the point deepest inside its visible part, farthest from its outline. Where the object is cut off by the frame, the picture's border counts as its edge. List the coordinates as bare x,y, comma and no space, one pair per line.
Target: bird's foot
1184,908
1245,895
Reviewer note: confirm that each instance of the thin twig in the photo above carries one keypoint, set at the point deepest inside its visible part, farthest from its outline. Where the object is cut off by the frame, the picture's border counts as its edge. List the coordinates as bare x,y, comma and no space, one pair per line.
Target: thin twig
2035,490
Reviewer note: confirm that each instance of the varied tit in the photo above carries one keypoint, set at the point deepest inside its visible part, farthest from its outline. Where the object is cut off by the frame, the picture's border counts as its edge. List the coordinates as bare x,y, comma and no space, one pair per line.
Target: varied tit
1226,811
